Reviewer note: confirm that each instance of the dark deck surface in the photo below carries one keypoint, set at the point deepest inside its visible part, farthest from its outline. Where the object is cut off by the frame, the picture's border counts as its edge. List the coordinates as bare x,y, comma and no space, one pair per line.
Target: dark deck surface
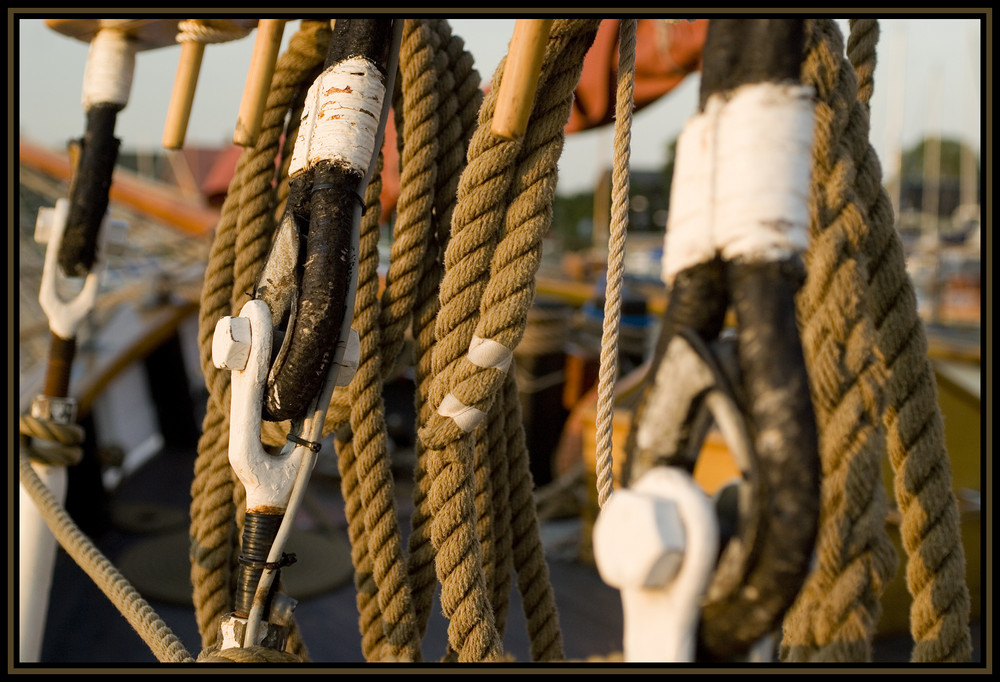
84,630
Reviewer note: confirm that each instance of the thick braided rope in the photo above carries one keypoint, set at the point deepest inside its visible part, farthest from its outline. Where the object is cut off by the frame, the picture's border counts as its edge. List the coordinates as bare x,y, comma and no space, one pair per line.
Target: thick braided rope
450,497
420,561
835,616
935,570
616,258
370,445
528,554
240,245
861,44
140,615
214,541
366,591
504,186
499,559
418,138
460,102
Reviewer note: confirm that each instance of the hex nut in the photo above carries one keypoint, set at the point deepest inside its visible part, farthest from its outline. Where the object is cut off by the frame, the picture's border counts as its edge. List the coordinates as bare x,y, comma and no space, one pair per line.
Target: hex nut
638,541
231,343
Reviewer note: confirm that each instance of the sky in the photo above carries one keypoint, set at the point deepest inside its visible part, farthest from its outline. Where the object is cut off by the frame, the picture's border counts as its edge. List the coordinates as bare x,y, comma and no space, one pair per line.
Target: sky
927,81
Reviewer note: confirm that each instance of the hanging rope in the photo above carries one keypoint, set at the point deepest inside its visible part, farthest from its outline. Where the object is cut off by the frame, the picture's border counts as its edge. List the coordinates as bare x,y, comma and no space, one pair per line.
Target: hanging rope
487,287
930,529
616,259
460,102
837,611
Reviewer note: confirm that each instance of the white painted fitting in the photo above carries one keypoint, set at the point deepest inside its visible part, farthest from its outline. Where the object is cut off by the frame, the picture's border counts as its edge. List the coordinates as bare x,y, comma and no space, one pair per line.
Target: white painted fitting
268,479
348,365
340,121
636,539
741,185
107,78
36,561
231,343
64,317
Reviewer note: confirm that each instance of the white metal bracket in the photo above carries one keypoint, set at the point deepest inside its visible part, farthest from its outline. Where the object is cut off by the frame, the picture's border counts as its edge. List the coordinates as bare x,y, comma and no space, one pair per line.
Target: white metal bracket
658,542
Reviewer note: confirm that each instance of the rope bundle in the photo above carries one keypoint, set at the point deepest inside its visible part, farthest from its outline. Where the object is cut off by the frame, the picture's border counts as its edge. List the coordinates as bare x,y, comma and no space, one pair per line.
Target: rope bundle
465,252
873,388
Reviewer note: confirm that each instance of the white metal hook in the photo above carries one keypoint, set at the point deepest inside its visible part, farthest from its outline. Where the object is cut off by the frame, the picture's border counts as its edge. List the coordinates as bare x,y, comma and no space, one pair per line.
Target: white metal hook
268,478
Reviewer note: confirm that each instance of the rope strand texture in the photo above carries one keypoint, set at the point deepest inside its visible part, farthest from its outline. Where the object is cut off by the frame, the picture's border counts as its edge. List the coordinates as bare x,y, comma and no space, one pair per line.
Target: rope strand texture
616,259
872,382
487,287
935,571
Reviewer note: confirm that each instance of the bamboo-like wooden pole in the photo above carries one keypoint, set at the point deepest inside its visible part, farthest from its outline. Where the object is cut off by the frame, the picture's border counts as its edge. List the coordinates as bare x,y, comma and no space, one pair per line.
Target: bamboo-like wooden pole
182,97
520,77
262,63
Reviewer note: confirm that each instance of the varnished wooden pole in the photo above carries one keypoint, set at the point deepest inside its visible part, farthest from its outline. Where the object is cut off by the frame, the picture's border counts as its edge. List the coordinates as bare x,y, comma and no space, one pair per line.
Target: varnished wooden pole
520,77
262,63
182,97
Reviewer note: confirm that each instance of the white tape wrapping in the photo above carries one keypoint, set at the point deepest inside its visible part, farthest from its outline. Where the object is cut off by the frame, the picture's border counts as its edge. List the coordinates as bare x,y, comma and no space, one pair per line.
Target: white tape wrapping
341,117
465,416
741,185
485,353
488,353
107,78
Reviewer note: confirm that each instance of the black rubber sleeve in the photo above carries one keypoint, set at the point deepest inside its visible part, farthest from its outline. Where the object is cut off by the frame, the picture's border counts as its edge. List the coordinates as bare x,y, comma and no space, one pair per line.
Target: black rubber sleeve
89,192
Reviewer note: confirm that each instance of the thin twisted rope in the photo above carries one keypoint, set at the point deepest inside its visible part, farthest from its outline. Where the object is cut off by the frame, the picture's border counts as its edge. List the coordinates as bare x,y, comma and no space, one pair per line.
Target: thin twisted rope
616,258
140,615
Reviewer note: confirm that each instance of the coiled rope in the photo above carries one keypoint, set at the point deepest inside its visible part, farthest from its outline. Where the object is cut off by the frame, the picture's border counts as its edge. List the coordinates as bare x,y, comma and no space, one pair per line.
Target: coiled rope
211,30
872,387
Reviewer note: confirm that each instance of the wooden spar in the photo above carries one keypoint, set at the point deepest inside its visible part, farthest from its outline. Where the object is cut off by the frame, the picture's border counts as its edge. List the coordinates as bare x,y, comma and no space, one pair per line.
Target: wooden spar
520,80
182,96
162,204
262,63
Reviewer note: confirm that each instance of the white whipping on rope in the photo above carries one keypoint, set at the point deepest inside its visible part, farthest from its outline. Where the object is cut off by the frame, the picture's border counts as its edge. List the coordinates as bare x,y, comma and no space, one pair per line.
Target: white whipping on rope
741,185
107,78
341,117
485,353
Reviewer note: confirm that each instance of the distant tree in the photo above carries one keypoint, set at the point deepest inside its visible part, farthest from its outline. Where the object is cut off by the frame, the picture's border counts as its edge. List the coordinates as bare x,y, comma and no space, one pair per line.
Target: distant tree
912,160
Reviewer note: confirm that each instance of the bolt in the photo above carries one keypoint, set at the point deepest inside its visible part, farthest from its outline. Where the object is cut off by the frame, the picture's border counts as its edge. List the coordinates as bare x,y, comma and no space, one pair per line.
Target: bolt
231,343
639,540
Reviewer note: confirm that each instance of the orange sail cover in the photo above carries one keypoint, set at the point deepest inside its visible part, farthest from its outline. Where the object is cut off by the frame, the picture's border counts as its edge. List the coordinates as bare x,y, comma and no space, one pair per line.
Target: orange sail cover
667,52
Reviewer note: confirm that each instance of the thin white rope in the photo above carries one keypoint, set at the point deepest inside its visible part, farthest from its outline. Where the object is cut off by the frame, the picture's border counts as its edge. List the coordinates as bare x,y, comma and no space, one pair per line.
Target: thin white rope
616,256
